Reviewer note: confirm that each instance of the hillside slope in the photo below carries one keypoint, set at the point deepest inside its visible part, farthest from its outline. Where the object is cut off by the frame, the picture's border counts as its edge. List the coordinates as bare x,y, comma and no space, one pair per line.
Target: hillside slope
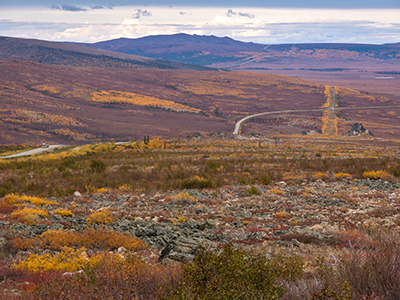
56,53
66,104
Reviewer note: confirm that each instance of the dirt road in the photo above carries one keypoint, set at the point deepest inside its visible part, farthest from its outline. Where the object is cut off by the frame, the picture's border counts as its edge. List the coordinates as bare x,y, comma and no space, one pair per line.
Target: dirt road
35,151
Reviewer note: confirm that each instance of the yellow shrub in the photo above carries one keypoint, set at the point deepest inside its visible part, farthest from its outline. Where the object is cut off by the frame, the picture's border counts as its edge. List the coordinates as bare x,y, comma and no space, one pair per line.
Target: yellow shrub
102,190
89,238
376,174
155,143
30,211
276,192
124,188
181,219
281,214
17,200
68,259
182,196
342,175
101,217
40,201
63,212
321,175
141,100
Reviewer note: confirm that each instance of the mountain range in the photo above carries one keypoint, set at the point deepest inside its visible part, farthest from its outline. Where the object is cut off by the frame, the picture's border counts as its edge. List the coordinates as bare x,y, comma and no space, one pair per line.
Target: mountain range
209,50
57,53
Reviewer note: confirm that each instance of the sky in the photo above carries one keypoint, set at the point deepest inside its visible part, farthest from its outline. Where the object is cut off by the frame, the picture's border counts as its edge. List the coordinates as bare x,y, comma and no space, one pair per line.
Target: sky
260,21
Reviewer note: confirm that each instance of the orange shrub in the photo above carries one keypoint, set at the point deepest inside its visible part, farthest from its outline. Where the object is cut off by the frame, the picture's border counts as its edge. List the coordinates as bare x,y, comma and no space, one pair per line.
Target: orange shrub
101,217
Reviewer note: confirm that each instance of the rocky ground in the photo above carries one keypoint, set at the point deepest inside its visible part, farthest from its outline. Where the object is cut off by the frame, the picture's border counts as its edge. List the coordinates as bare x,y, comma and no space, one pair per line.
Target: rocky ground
311,217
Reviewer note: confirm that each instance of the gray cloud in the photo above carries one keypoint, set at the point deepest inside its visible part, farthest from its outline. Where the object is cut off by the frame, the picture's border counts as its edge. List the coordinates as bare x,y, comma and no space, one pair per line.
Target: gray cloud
96,7
182,13
231,13
68,7
141,13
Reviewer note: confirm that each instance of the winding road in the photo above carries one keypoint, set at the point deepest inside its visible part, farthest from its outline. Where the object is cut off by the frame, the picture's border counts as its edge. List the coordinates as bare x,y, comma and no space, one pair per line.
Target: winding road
35,151
239,123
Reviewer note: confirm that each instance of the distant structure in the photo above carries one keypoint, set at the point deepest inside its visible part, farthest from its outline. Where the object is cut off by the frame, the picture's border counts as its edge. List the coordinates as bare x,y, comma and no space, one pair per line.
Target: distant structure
358,129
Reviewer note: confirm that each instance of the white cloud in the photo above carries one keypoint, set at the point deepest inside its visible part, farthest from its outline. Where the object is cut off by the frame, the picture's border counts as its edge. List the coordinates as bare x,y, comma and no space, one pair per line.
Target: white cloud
247,24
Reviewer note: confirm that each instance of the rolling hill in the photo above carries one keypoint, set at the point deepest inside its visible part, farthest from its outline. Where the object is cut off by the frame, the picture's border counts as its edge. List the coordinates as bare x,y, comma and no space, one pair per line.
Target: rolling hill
209,50
185,48
77,105
356,66
56,53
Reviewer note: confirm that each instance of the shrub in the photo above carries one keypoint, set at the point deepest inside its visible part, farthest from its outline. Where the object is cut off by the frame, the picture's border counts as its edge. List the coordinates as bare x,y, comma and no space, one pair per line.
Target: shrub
196,182
101,190
17,200
230,274
376,174
281,214
30,215
182,198
63,212
266,179
155,143
213,165
97,166
181,219
342,175
88,238
113,278
276,192
287,267
251,191
374,271
68,259
100,217
396,171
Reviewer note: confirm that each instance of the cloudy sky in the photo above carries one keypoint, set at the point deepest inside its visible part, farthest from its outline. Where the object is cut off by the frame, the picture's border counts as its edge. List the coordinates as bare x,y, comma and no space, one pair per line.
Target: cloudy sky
262,21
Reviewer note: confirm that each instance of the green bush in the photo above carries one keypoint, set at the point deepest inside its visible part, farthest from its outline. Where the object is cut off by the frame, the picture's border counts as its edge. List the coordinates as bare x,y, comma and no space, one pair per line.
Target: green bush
227,274
251,191
97,166
196,183
213,165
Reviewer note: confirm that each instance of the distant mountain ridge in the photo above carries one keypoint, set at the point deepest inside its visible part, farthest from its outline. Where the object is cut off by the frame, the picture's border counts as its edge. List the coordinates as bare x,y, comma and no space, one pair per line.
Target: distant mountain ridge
184,48
58,53
211,50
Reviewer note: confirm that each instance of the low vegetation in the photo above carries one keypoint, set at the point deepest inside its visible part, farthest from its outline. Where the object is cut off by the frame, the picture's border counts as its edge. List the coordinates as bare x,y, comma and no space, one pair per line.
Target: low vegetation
202,219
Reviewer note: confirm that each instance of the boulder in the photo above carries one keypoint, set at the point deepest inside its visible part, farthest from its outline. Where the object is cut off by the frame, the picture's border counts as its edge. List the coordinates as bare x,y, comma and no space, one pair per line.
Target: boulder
358,129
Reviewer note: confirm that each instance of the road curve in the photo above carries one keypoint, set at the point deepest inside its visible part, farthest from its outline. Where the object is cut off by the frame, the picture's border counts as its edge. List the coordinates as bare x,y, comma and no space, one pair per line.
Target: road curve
35,151
239,123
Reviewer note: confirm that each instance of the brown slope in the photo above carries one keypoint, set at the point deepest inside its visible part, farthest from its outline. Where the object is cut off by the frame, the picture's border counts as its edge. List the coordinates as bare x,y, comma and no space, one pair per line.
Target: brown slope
57,53
55,103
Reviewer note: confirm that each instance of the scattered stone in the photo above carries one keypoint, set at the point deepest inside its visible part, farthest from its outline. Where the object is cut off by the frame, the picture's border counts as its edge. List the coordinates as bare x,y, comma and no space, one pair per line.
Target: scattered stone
71,274
295,243
77,194
122,250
